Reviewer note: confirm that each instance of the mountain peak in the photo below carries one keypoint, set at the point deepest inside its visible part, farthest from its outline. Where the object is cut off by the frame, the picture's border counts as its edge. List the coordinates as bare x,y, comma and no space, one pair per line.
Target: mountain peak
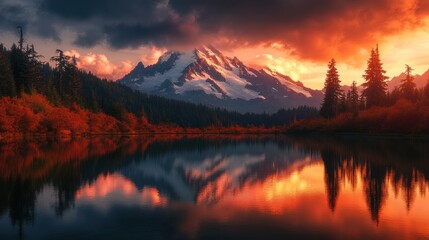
140,65
209,49
208,77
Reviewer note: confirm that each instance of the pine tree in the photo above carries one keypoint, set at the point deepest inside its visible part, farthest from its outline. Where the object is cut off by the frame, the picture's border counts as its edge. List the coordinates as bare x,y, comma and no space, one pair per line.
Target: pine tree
61,61
72,84
7,82
19,64
425,94
342,105
353,99
21,38
408,87
34,75
393,96
332,92
375,85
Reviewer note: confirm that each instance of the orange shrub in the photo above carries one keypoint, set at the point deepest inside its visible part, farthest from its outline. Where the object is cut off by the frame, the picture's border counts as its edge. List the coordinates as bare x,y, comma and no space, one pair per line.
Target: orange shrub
102,123
63,119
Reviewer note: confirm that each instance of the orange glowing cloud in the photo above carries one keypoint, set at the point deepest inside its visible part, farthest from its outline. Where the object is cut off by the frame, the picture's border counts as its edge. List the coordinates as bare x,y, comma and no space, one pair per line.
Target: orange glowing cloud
105,185
298,201
151,55
111,184
100,65
290,67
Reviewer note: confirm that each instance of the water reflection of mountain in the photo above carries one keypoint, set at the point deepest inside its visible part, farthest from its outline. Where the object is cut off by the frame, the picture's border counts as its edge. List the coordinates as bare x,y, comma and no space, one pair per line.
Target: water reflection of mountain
202,171
198,170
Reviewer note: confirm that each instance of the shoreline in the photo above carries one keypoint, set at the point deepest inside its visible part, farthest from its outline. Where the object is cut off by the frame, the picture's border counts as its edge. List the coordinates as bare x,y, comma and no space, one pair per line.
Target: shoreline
46,136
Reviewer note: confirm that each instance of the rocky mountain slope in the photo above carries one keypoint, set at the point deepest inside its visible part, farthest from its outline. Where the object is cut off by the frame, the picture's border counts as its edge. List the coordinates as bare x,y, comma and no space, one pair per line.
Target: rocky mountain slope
207,77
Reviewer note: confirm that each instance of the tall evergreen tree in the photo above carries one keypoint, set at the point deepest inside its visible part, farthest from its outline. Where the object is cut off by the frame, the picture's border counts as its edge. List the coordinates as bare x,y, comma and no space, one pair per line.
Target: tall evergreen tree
425,94
21,38
7,82
375,85
332,92
61,62
34,75
353,99
72,84
19,64
408,87
342,105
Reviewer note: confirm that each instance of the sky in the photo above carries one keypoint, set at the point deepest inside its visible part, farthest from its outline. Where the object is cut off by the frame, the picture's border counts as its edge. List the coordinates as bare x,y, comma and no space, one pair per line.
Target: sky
294,37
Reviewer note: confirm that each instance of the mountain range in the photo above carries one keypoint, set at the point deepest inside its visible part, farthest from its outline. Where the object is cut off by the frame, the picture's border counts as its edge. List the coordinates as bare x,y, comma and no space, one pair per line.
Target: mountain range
205,76
208,77
395,82
420,80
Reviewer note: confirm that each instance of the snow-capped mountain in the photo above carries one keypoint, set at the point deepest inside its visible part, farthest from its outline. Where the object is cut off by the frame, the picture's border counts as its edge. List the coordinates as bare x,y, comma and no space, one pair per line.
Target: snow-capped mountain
202,174
206,76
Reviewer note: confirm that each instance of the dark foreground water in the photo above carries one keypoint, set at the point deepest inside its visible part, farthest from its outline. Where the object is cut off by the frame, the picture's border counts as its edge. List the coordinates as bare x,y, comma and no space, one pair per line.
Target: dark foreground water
215,188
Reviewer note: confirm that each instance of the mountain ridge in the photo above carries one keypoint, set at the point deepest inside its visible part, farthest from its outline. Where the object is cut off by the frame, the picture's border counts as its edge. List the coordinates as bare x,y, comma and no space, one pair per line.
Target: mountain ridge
206,76
419,80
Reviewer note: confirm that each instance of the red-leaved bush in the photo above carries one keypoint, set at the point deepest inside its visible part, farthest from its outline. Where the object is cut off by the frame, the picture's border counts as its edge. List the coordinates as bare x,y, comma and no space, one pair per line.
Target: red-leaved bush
34,114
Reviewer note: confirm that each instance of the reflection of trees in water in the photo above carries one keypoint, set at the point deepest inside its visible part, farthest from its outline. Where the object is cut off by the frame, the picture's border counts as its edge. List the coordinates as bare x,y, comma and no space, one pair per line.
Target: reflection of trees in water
27,167
332,163
21,203
374,181
380,162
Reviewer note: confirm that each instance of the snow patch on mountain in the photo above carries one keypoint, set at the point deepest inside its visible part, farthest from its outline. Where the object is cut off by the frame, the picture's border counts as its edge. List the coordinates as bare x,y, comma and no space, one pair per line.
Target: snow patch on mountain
152,82
206,76
288,82
165,57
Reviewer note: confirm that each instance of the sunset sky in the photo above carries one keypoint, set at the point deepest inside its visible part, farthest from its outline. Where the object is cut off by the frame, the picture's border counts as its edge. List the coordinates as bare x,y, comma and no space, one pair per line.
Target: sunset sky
294,37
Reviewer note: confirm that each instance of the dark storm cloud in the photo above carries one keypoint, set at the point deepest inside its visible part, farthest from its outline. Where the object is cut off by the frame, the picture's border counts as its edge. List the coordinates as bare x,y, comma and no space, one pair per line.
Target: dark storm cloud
163,33
313,29
12,16
122,24
89,38
110,10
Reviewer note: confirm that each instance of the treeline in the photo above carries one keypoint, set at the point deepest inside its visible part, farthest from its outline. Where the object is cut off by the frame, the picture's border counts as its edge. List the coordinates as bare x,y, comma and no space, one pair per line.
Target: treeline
64,85
114,99
375,109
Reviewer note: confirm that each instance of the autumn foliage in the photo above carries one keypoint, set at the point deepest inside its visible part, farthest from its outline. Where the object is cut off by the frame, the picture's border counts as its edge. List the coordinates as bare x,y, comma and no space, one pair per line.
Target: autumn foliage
404,117
35,114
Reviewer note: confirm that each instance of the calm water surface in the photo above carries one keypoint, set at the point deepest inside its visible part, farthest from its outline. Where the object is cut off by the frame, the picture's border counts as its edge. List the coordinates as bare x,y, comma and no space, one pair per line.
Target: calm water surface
215,188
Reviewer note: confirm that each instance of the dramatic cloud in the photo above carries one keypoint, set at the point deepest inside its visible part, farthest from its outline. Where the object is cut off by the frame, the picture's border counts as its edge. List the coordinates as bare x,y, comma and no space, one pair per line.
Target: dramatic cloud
311,29
289,67
308,29
152,55
100,65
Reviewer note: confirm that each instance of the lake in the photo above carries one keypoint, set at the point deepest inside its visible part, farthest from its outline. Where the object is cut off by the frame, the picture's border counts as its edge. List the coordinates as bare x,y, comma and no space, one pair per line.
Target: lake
215,187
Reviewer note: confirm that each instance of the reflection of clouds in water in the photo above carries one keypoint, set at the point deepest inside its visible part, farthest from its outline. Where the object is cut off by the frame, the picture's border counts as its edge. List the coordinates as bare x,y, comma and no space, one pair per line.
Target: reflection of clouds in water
114,188
281,187
205,176
274,194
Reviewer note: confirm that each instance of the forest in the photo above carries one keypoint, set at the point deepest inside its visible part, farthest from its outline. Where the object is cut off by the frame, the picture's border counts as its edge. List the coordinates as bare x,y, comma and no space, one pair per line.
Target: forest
374,110
55,96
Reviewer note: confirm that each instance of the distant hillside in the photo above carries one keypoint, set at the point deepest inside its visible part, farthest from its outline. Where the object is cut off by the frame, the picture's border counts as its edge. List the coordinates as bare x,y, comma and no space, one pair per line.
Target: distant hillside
420,80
